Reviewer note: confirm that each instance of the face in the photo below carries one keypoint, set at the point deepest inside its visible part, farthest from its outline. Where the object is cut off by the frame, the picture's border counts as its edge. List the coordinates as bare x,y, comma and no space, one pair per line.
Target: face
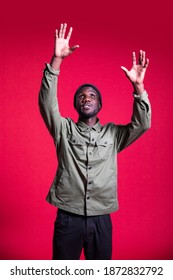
87,103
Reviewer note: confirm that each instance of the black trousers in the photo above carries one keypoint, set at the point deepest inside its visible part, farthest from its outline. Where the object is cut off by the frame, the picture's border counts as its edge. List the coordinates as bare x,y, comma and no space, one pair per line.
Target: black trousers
72,233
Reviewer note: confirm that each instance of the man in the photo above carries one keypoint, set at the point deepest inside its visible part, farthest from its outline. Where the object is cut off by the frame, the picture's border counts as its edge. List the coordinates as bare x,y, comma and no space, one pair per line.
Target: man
85,185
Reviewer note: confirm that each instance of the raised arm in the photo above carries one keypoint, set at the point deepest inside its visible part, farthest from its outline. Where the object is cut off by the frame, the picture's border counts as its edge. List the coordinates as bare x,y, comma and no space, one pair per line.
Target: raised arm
141,116
48,101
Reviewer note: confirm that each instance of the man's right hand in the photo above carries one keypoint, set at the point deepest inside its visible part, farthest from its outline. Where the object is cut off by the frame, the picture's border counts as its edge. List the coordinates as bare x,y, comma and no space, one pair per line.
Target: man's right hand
61,47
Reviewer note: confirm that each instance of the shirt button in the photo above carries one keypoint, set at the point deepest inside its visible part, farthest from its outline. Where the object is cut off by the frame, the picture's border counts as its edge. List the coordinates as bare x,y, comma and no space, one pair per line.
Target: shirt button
90,182
90,153
88,197
92,139
89,167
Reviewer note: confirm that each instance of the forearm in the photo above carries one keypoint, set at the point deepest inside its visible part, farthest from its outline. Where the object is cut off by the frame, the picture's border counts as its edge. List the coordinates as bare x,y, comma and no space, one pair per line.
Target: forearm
140,122
48,99
141,117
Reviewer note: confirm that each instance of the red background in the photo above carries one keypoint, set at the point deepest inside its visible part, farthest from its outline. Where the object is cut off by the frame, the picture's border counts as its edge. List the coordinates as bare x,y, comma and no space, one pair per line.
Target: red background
107,32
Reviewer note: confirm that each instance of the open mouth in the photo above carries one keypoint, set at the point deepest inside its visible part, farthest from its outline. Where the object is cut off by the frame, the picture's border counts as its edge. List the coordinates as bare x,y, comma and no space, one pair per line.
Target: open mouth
86,106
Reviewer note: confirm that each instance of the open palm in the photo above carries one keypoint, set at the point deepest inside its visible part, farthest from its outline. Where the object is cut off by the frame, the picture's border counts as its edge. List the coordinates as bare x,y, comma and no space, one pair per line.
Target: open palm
137,73
62,48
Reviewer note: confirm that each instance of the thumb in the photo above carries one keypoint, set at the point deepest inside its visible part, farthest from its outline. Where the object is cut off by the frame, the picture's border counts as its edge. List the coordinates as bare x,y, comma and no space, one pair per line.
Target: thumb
124,69
72,49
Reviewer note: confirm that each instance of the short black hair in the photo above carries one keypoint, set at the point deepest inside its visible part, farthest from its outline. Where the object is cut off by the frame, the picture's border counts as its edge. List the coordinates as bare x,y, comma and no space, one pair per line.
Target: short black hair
87,85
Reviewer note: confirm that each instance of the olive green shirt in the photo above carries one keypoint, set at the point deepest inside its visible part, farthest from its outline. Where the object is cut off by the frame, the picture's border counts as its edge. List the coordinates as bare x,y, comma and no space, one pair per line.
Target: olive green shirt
86,179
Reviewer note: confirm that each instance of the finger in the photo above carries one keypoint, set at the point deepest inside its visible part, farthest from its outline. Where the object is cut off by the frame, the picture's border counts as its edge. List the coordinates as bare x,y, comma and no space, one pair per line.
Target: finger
140,57
133,58
61,30
143,58
146,63
69,33
56,33
64,30
143,61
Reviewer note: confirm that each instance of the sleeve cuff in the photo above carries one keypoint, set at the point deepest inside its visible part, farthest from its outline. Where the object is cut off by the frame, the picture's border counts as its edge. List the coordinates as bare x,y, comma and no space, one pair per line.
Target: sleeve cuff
51,70
141,96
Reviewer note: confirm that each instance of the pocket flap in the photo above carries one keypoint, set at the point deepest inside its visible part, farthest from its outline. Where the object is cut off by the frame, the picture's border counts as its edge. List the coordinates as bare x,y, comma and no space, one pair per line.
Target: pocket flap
105,142
75,140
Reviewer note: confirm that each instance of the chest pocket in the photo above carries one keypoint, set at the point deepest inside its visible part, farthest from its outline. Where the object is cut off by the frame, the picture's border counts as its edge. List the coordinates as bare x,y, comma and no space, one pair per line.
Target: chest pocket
105,147
77,146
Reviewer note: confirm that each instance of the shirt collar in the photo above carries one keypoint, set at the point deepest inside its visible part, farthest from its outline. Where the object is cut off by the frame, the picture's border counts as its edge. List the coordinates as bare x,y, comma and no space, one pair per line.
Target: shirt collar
83,127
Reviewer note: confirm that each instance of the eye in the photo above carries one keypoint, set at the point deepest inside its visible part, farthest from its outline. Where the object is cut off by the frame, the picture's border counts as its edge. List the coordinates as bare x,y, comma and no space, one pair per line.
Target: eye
80,96
93,95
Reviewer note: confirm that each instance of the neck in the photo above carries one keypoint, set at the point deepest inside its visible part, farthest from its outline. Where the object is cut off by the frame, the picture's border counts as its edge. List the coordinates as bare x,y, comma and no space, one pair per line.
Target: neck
90,121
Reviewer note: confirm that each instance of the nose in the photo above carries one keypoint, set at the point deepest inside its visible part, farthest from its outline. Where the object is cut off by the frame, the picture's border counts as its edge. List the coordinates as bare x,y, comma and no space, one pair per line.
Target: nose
86,99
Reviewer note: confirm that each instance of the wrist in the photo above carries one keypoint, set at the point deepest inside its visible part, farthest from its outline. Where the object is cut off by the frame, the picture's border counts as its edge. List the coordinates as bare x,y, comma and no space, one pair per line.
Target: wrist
138,88
56,62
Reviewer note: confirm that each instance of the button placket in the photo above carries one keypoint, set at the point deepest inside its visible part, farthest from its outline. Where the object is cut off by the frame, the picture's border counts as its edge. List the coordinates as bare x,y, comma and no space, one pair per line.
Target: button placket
89,168
89,177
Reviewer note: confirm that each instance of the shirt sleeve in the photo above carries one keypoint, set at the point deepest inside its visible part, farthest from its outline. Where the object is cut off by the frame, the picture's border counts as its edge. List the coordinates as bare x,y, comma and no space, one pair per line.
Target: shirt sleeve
140,122
48,102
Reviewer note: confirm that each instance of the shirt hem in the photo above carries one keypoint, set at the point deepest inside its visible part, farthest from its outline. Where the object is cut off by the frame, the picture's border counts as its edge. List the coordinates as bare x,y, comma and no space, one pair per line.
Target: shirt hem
84,212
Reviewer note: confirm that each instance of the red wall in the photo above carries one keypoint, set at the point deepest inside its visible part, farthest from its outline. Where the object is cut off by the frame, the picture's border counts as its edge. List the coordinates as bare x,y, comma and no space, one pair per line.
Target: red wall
107,33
